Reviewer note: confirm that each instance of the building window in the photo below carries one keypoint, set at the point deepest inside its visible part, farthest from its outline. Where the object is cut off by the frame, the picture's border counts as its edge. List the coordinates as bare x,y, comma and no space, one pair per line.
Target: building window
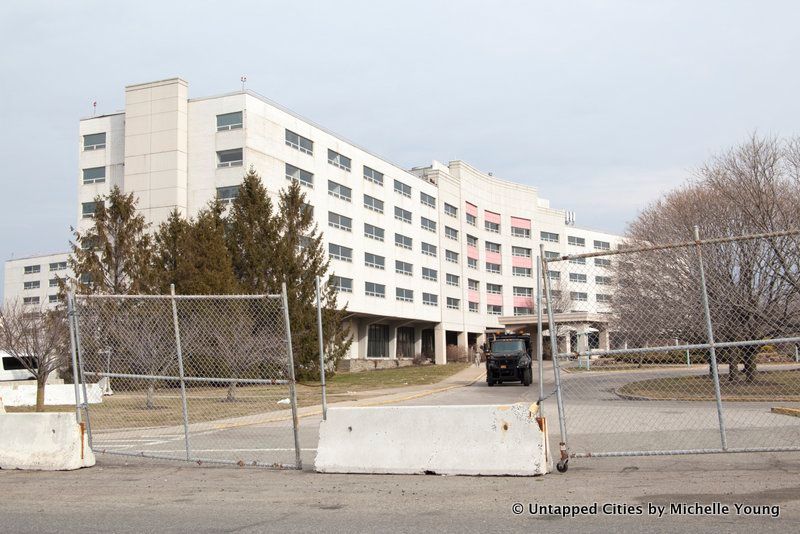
452,211
428,249
226,195
602,262
427,224
491,227
401,267
30,300
94,175
338,160
494,309
295,173
451,233
554,275
472,263
58,266
521,271
340,221
474,285
520,232
303,144
427,200
523,291
493,267
338,252
374,204
549,237
88,209
371,289
32,269
402,215
430,274
378,341
230,158
373,232
402,188
602,245
603,298
473,307
345,285
453,304
578,296
494,289
429,299
403,241
518,310
471,219
33,284
405,341
576,241
602,280
550,255
374,261
53,282
577,277
521,252
578,261
492,247
94,141
373,176
451,256
52,299
472,241
229,121
452,280
339,191
405,295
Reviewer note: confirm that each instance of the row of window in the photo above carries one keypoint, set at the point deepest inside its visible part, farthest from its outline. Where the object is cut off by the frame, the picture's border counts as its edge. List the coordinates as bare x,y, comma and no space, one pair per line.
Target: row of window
52,299
36,284
580,278
55,266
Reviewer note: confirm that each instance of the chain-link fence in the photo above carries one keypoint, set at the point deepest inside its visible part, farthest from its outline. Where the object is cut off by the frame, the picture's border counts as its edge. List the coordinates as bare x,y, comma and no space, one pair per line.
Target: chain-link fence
199,378
676,349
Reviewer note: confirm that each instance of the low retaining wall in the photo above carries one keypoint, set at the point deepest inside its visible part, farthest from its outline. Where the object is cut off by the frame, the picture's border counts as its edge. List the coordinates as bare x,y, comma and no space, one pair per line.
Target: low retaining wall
445,440
43,441
24,394
356,366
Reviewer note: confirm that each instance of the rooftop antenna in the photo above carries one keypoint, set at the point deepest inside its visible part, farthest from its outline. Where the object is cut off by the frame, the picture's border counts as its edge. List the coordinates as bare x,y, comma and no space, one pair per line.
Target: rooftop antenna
243,79
94,108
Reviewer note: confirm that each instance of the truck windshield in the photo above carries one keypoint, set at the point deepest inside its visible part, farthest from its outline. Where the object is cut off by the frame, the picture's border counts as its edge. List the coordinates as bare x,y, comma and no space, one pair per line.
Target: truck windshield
508,346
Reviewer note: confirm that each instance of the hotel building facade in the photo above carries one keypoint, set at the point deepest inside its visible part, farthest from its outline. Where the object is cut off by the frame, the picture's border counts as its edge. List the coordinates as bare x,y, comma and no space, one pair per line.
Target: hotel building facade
426,258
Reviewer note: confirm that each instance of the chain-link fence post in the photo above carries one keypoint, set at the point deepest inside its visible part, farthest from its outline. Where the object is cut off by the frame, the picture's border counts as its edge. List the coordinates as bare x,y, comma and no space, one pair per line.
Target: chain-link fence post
179,352
551,324
81,377
73,354
539,343
321,353
292,385
710,331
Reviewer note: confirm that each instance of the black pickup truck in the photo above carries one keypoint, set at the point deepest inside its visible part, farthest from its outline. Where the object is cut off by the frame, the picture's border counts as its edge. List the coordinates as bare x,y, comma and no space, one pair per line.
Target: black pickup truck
508,359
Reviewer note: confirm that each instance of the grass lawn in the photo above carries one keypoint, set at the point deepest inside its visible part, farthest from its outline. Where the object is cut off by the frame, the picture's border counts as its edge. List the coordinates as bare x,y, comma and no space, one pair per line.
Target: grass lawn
126,409
769,386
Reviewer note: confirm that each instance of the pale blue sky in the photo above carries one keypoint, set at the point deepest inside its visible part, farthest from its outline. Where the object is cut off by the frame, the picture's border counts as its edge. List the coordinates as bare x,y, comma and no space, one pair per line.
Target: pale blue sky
602,105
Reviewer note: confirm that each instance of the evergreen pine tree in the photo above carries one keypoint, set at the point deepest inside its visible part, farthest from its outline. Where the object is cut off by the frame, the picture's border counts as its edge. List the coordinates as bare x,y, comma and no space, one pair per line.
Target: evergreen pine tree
170,248
206,267
113,255
251,235
298,258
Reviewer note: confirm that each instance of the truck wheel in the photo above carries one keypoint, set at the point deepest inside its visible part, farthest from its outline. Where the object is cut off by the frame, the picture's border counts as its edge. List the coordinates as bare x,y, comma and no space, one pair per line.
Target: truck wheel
527,379
490,383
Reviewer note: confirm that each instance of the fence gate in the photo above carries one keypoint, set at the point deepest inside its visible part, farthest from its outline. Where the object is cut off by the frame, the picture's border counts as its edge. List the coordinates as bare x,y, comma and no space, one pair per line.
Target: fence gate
197,378
676,349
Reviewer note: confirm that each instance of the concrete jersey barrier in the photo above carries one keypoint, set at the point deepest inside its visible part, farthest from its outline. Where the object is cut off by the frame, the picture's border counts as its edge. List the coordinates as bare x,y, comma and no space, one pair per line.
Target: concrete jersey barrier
24,394
43,441
446,440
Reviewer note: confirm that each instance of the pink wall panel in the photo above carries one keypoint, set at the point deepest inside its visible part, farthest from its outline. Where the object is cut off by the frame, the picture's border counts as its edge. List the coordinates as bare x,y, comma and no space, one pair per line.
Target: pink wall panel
473,296
521,261
523,302
472,209
493,298
493,257
521,223
491,216
472,252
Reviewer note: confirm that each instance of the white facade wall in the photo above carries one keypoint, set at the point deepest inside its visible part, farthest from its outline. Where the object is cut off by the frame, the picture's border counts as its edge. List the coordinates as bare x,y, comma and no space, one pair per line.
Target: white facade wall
164,149
28,280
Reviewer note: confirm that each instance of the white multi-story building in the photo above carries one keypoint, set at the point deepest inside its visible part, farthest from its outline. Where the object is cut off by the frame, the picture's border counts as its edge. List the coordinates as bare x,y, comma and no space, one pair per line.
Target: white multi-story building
34,280
425,258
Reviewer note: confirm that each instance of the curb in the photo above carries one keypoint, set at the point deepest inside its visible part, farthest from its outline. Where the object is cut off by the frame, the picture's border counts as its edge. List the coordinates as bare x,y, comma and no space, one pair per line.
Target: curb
794,412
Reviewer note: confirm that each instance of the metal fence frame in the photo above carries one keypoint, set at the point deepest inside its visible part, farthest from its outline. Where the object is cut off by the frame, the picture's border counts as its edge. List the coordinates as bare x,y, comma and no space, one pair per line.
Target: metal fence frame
83,411
711,345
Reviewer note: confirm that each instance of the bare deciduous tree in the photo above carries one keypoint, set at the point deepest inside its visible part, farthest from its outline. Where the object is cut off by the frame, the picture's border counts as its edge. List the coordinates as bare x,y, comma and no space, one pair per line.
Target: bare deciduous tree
37,338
